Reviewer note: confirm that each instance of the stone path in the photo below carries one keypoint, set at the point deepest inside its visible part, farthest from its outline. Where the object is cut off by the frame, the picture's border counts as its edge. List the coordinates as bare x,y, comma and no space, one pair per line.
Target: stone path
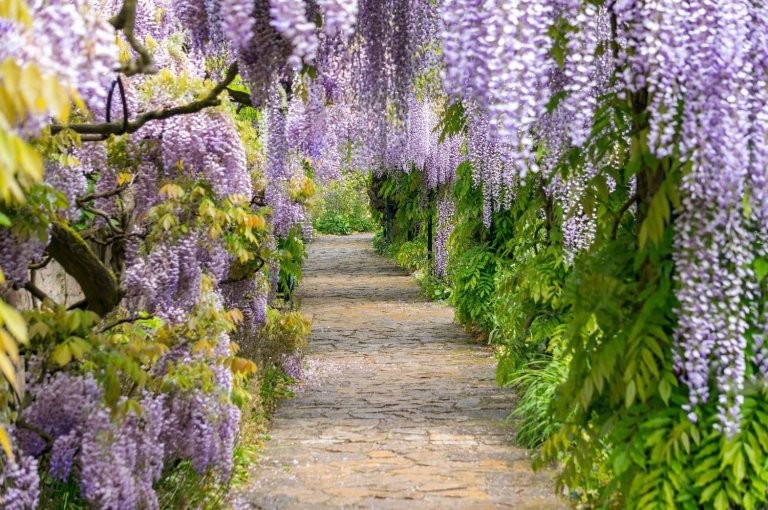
401,410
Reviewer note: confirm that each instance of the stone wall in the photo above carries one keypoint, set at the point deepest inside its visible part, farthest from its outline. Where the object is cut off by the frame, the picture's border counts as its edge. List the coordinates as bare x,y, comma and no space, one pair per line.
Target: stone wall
54,281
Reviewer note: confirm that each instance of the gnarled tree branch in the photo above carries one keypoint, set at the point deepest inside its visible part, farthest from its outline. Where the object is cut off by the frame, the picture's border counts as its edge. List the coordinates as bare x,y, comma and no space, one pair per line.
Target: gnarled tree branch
98,283
37,292
120,127
125,320
103,194
239,272
126,21
41,264
240,97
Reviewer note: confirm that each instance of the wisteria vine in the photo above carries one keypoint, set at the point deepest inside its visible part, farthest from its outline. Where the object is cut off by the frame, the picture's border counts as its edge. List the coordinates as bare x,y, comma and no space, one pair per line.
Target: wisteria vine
186,208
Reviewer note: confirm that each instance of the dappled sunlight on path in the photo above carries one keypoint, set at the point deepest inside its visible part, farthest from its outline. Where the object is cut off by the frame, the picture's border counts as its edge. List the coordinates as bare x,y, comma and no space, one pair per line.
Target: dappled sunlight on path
400,409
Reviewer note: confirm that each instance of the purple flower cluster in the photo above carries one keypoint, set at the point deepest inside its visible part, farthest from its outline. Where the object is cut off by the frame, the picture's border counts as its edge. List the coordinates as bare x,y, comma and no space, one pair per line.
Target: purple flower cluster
203,427
61,404
497,57
485,156
82,47
71,181
250,297
168,278
587,70
207,146
19,483
289,18
154,18
120,459
265,55
237,22
579,228
339,17
389,34
758,133
70,41
194,17
17,253
423,148
317,132
283,165
699,58
293,366
199,424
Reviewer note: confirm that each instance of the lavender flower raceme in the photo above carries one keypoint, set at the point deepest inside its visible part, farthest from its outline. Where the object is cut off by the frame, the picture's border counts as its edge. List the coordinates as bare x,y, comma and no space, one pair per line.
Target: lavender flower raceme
17,253
168,278
19,483
208,146
710,50
339,17
237,22
289,18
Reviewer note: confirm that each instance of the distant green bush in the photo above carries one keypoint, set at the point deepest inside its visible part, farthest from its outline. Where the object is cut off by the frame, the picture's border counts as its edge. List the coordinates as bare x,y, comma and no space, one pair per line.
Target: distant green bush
342,207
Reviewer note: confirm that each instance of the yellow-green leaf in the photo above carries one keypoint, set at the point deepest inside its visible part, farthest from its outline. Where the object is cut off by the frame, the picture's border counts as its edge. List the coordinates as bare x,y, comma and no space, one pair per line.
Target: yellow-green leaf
6,442
739,467
721,500
13,322
665,390
62,354
629,398
7,369
8,345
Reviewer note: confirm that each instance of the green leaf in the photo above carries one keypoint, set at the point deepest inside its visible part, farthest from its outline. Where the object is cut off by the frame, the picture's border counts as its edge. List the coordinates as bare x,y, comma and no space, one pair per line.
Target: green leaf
111,386
665,390
631,392
761,268
721,500
621,463
753,456
73,320
707,493
61,354
749,502
78,346
703,479
739,467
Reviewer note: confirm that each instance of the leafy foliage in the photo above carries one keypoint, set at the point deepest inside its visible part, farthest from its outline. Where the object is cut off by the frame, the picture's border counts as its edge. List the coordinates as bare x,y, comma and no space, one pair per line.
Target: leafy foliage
341,207
588,343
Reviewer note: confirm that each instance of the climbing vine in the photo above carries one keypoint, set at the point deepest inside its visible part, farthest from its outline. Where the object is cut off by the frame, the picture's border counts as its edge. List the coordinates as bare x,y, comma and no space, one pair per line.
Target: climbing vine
585,180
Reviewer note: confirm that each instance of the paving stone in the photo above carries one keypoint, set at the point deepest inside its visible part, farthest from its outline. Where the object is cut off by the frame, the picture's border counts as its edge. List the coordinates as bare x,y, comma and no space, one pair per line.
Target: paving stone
400,409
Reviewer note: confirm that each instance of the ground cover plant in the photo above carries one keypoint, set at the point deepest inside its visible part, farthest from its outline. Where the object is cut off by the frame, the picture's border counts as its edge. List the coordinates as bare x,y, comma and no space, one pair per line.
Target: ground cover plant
585,179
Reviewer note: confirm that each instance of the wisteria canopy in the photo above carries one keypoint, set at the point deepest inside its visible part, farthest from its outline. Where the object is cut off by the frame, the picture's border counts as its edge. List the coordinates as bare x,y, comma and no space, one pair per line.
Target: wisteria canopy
164,153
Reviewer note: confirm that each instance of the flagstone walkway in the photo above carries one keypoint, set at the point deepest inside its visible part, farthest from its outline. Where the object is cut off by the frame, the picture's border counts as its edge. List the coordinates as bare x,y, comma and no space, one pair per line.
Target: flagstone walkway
400,410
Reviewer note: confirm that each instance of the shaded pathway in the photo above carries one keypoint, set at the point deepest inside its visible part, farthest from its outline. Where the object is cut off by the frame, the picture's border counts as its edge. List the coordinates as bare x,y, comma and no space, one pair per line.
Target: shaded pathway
400,410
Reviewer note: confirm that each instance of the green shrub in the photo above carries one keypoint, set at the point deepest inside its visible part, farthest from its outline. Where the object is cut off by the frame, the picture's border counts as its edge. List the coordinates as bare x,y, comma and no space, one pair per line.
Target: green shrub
284,333
536,384
333,223
412,255
342,206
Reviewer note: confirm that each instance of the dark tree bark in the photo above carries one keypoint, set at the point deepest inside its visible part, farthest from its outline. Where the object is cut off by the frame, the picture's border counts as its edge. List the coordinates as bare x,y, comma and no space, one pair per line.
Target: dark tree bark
99,285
